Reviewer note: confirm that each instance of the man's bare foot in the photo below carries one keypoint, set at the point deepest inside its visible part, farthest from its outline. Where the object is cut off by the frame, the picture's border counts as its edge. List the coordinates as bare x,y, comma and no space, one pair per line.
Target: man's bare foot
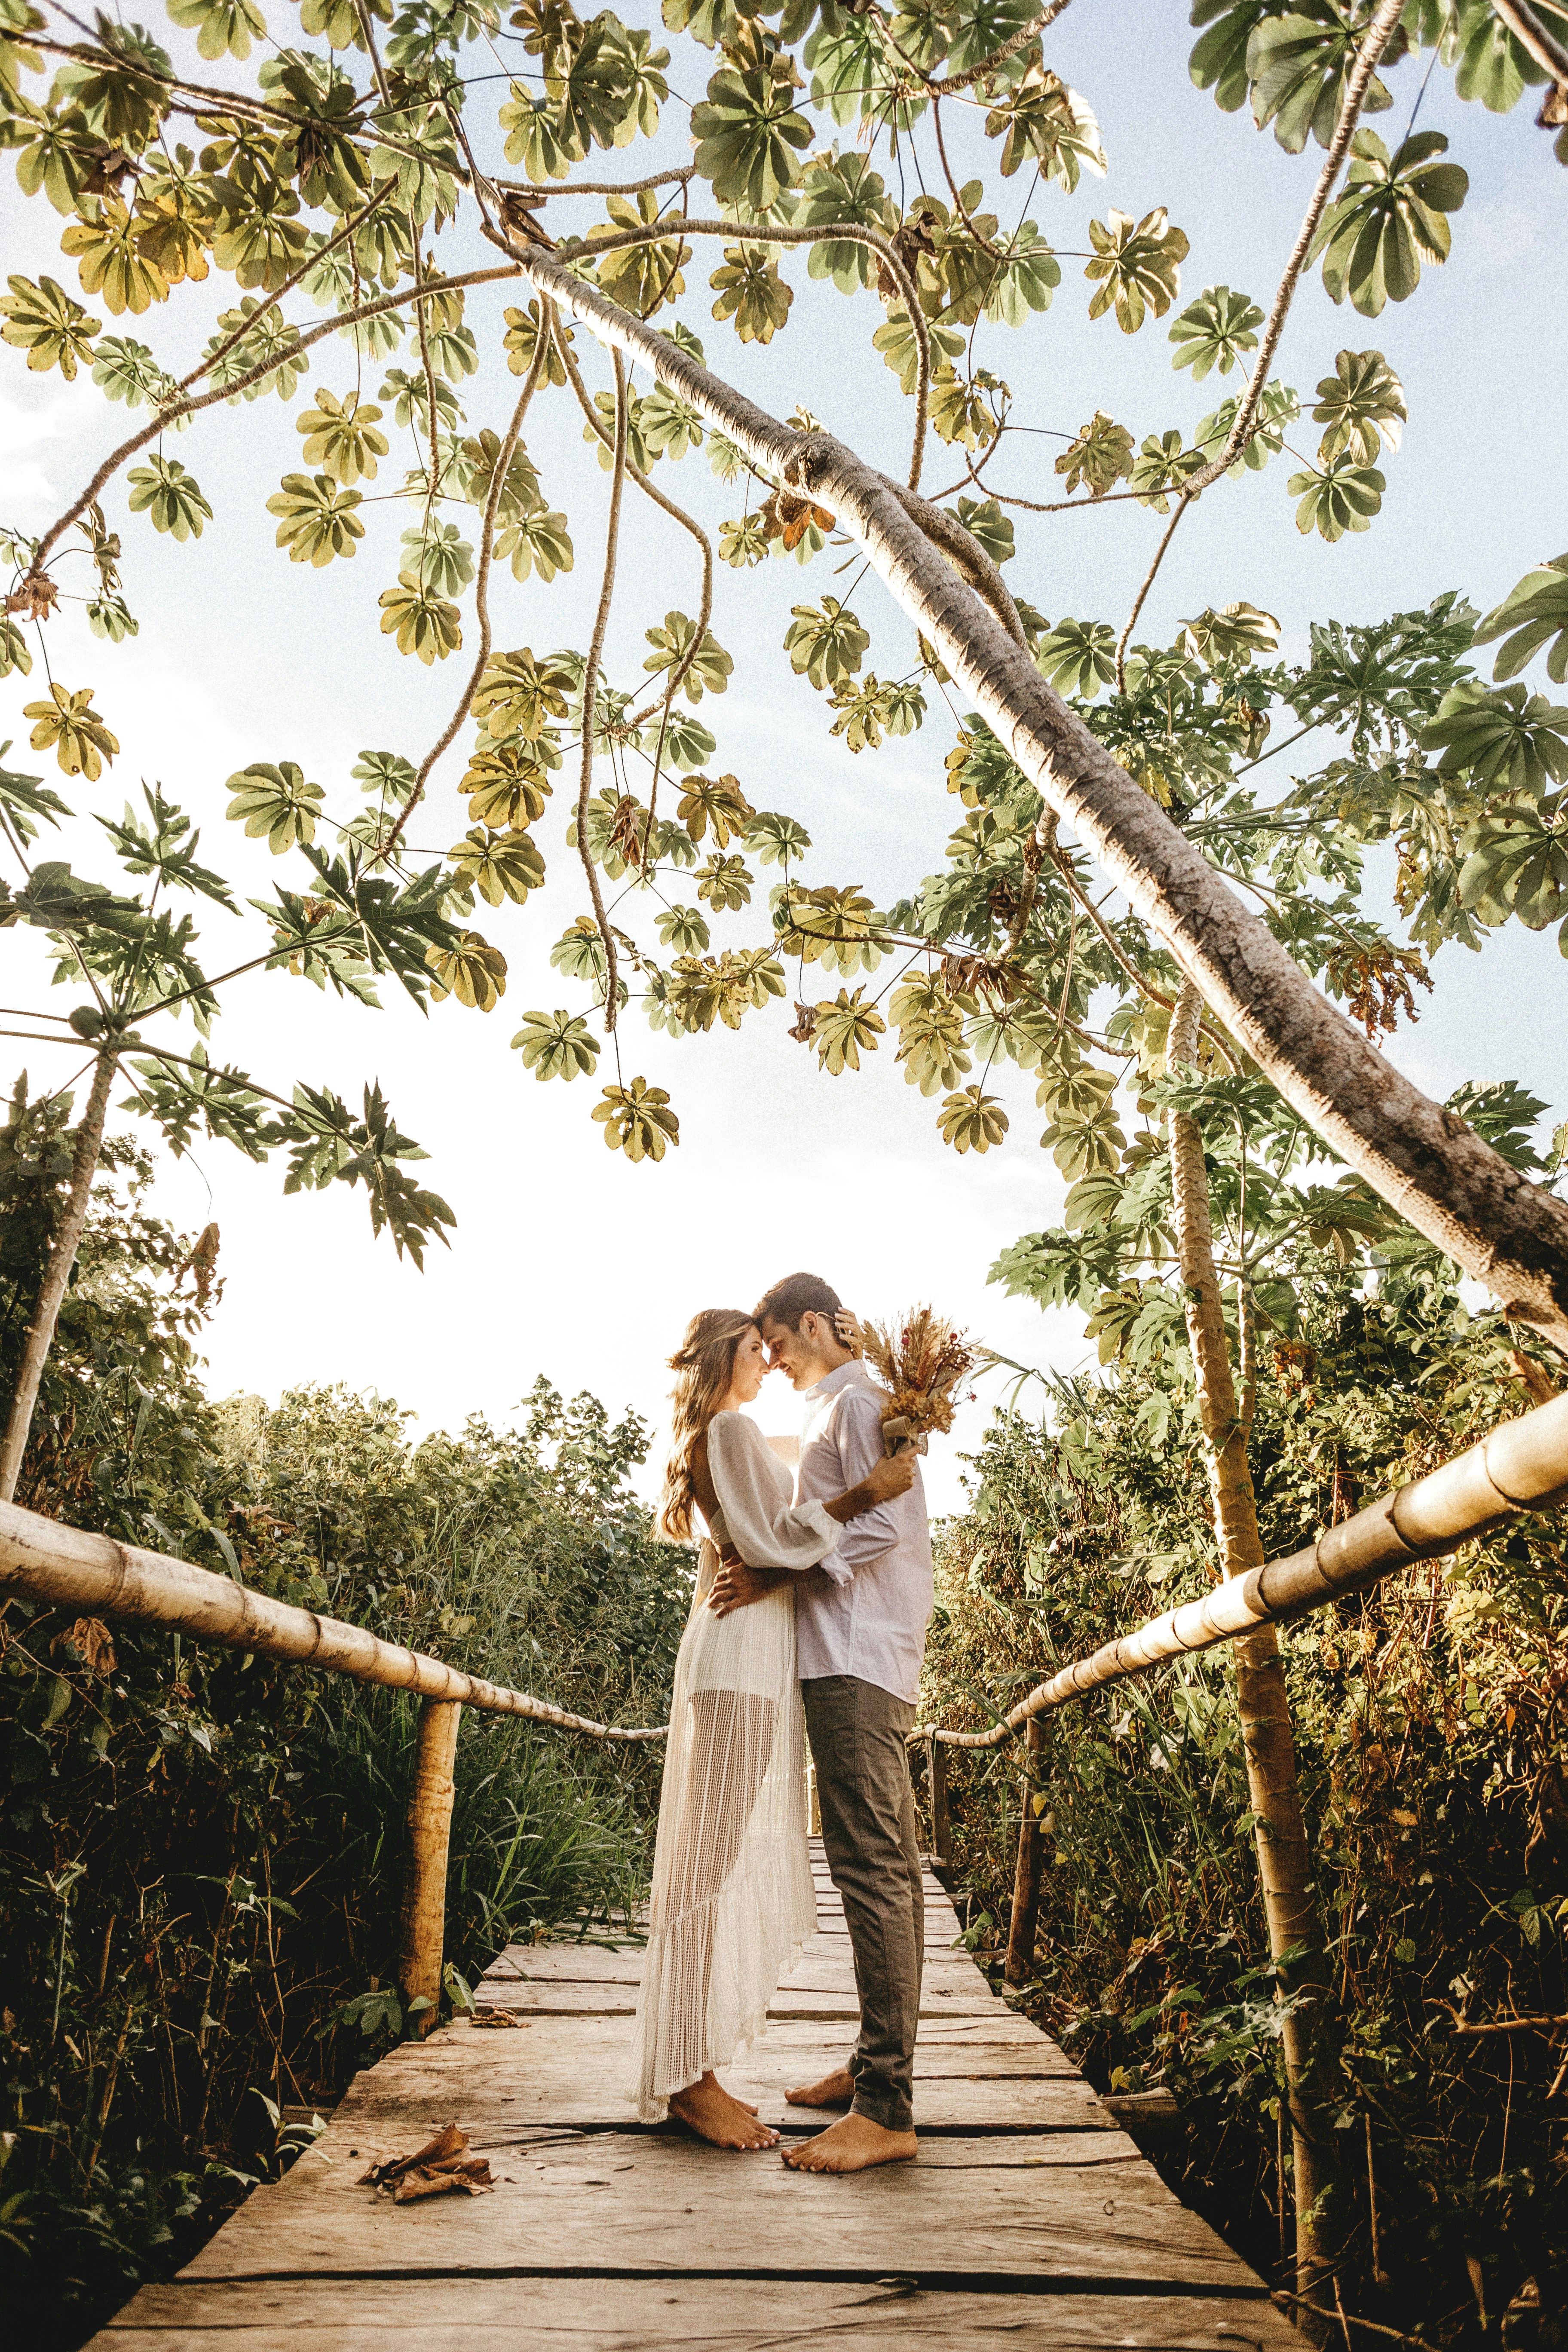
707,2109
854,2144
835,2090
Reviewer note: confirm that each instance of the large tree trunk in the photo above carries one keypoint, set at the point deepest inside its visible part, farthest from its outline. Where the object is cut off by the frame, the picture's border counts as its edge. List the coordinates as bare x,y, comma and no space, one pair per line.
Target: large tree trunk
1422,1159
57,1274
1284,1857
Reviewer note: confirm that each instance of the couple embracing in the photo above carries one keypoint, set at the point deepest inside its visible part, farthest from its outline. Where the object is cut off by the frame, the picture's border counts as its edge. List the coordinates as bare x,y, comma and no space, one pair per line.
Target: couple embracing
810,1614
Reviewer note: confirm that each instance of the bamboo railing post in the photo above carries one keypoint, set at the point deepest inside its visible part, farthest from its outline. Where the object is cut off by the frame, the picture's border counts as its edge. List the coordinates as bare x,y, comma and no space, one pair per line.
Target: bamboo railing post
1026,1917
936,1783
429,1836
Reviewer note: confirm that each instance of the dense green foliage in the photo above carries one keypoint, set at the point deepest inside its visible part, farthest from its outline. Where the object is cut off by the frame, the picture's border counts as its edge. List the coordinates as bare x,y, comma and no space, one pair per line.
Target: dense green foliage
1432,1739
201,1852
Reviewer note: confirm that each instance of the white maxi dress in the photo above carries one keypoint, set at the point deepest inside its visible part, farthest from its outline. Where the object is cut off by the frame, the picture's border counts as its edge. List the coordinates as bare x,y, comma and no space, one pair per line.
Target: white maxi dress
733,1897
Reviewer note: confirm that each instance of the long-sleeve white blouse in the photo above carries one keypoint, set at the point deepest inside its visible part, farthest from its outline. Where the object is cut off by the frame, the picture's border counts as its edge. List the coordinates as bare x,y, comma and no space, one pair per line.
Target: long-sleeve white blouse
752,1648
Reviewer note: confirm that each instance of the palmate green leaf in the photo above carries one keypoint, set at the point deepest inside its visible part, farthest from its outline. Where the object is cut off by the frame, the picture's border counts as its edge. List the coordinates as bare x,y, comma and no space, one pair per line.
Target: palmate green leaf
846,1026
751,293
961,414
340,435
896,341
1534,614
719,802
15,652
473,971
498,866
521,342
774,839
1160,466
984,519
1362,405
1100,457
46,323
507,788
1078,656
109,259
930,1023
669,425
1024,281
1042,122
726,883
852,73
258,235
838,927
748,136
519,695
424,622
276,800
1214,331
684,929
127,370
710,667
317,519
641,277
557,1044
426,161
536,543
1237,632
638,449
825,642
171,497
637,1120
335,1145
687,742
69,727
1137,265
1516,863
24,798
744,542
844,189
972,1120
1503,740
1279,407
1299,66
222,27
871,709
438,555
1391,219
1341,496
272,338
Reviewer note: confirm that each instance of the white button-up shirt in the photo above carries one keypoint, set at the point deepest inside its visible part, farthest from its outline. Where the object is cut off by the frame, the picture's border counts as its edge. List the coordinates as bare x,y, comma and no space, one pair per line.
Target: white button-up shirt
864,1611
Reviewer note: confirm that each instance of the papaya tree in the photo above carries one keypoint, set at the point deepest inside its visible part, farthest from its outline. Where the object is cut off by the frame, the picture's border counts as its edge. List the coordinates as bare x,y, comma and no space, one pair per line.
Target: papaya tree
369,197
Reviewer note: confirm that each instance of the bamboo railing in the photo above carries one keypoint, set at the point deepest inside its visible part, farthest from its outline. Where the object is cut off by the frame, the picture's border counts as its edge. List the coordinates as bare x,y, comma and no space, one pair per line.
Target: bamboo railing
67,1568
1521,1465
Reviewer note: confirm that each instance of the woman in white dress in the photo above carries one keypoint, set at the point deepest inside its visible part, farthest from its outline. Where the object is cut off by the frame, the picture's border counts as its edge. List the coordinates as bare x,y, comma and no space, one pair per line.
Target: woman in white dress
732,1898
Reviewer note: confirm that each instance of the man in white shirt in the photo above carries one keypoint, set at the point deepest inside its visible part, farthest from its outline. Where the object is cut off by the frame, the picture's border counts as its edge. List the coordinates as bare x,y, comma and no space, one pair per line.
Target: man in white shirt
860,1621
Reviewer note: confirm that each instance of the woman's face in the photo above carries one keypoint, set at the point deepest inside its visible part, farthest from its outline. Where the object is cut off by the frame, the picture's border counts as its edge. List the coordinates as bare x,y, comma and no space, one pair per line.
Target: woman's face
752,1368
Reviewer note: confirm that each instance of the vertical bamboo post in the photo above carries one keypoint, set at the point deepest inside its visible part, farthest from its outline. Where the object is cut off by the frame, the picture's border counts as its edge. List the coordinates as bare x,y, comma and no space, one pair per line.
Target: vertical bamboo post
1027,1878
936,1778
429,1835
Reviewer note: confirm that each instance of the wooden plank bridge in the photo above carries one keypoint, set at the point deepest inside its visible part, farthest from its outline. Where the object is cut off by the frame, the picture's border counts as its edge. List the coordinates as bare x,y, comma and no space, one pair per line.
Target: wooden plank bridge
1028,2216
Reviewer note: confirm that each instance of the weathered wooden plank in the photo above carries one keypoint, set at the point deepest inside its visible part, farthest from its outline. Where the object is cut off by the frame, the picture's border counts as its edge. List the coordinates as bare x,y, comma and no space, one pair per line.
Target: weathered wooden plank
658,2206
480,2314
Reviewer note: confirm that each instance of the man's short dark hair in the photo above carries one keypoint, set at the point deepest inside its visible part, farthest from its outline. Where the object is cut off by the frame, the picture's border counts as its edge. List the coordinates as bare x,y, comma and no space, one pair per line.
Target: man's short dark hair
797,1295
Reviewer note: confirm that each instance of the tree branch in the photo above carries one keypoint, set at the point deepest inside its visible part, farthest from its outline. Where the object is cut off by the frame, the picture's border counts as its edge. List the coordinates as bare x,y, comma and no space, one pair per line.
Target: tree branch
590,676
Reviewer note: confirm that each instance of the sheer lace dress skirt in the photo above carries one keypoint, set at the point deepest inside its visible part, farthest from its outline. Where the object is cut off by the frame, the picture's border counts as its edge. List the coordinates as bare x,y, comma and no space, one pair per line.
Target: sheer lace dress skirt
732,1898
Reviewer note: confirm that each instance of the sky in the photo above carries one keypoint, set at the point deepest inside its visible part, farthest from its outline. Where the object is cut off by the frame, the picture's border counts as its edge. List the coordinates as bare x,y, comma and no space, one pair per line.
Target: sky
567,1261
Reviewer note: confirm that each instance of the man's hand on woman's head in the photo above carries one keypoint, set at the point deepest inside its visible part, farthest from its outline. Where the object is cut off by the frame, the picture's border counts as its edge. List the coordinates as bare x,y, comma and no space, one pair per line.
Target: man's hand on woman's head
851,1333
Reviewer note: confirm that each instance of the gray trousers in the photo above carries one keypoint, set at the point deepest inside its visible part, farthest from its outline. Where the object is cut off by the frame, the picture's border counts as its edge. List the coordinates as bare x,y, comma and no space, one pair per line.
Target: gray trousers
858,1732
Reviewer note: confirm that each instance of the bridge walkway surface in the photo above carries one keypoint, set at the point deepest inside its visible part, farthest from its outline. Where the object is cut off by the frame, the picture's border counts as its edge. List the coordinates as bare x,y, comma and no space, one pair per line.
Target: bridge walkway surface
1028,2220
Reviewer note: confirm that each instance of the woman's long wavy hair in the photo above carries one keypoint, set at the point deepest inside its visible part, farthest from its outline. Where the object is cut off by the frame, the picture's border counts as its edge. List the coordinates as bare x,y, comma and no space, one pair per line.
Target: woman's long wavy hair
704,1366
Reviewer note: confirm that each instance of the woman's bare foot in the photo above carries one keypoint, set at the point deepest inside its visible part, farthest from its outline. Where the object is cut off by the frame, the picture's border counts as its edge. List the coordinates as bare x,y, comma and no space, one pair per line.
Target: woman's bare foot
854,2144
835,2090
707,2109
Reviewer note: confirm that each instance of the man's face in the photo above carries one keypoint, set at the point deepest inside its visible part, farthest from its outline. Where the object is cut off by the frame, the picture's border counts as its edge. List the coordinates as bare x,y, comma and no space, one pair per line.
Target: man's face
793,1352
